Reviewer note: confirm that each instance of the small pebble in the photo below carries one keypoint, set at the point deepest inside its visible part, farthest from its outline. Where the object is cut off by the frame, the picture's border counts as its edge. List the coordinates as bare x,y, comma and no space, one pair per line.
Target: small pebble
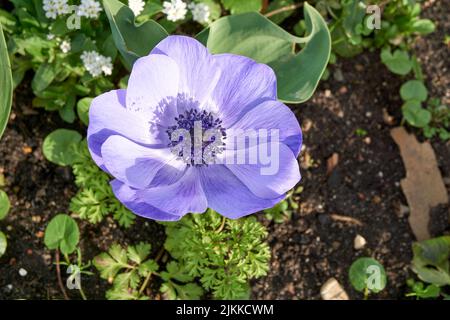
23,272
359,242
332,290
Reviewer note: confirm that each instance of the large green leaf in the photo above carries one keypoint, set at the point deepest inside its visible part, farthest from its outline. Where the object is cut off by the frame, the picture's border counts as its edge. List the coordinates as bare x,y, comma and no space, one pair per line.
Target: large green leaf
6,83
131,39
253,35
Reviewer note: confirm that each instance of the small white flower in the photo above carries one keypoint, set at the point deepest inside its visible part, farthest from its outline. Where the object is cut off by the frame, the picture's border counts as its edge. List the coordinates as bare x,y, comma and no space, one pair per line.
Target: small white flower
200,12
50,36
175,10
65,46
96,64
55,8
136,6
89,9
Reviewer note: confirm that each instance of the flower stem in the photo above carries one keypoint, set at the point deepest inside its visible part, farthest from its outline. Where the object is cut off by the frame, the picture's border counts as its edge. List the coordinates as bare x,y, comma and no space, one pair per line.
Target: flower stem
283,9
58,274
147,279
222,225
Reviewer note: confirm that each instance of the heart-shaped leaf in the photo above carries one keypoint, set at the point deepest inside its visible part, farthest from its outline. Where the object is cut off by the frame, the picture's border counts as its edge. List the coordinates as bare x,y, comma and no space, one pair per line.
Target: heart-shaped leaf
367,273
58,146
414,90
62,232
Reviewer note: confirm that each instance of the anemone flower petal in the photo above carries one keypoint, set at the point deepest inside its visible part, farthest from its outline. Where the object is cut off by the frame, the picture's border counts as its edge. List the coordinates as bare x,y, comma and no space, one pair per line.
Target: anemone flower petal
130,199
229,196
243,84
109,116
274,172
152,85
199,73
134,164
271,115
184,196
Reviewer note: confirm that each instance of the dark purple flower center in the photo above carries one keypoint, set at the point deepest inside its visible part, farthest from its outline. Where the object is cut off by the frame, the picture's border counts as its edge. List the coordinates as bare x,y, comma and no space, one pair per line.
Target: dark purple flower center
205,136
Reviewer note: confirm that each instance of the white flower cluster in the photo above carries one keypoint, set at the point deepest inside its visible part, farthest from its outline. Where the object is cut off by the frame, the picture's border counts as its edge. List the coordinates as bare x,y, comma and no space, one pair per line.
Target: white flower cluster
96,64
200,12
177,10
55,8
65,46
136,6
89,9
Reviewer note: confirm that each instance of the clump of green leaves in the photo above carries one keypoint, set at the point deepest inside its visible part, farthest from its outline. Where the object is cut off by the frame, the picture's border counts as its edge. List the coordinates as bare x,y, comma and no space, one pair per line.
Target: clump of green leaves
127,269
95,198
283,210
367,275
223,254
440,120
431,264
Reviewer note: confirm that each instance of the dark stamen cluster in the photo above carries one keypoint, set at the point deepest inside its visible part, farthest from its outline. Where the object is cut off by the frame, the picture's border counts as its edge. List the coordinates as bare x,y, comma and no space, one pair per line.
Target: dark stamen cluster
187,122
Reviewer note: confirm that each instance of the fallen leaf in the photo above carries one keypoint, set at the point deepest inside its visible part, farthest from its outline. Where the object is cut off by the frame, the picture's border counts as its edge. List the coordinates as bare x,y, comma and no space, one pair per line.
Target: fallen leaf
332,162
423,186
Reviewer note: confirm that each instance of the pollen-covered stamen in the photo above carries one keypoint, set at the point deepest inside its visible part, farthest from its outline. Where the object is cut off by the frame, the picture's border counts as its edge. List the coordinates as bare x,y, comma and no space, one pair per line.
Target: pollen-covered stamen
197,137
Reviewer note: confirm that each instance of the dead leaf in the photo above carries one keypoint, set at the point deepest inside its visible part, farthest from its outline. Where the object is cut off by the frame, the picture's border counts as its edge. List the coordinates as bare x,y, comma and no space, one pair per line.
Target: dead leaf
332,162
423,185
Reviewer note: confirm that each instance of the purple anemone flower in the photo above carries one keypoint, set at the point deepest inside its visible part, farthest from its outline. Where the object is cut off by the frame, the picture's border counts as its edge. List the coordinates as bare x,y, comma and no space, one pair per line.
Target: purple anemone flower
181,87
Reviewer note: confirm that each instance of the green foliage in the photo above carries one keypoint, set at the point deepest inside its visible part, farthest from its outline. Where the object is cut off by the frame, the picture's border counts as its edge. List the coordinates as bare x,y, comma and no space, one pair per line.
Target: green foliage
127,269
224,254
440,120
431,260
5,205
3,244
414,90
178,283
297,73
420,291
128,36
60,78
83,109
239,6
59,146
367,275
282,211
95,198
6,83
398,62
62,233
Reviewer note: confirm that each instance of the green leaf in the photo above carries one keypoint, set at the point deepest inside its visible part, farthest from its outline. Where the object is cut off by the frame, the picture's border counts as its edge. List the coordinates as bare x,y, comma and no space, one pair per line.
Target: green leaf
62,232
83,109
416,115
423,26
132,40
139,252
367,273
414,90
3,244
240,6
398,63
431,260
111,262
253,35
4,204
44,76
58,146
6,84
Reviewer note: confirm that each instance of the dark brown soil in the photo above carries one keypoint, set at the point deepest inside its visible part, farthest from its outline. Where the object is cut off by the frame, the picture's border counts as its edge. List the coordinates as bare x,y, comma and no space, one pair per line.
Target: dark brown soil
308,249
